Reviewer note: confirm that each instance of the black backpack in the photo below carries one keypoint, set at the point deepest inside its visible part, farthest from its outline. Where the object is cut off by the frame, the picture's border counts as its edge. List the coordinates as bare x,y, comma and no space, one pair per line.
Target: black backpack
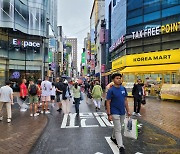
33,90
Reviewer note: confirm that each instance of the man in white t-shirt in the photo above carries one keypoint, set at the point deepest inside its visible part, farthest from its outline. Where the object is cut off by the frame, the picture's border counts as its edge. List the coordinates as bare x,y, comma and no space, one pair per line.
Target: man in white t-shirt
6,97
46,87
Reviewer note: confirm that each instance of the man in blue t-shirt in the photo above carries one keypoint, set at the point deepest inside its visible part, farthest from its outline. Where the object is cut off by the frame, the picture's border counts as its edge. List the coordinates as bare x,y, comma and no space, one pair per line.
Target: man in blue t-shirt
116,105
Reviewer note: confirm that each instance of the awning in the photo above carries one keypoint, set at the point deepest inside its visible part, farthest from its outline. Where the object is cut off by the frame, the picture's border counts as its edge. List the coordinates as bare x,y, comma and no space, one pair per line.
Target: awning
152,68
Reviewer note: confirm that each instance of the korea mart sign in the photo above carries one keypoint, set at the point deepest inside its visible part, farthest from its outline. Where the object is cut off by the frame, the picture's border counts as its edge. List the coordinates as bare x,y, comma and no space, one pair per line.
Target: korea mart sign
162,57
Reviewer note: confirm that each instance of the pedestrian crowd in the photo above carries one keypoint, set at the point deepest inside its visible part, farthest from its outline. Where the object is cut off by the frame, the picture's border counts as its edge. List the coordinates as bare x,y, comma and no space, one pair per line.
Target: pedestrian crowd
40,94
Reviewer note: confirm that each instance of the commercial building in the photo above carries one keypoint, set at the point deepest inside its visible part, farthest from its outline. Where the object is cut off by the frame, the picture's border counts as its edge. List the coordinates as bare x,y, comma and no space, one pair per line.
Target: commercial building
24,27
96,20
73,42
144,41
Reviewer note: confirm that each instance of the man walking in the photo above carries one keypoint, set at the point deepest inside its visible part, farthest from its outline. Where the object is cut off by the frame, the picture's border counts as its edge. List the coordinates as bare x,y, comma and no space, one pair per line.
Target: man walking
33,98
59,89
6,97
116,105
46,87
137,93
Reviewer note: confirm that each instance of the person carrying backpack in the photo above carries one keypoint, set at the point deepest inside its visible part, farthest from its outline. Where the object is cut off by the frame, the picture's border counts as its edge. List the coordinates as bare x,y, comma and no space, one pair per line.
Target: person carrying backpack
33,98
97,95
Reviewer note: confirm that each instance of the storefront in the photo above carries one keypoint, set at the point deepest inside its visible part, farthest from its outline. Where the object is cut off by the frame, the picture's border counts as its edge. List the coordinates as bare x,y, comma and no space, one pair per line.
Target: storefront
21,56
154,68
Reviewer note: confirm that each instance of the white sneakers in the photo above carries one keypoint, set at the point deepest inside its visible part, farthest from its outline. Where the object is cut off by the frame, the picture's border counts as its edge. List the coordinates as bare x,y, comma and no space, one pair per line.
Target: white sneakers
1,118
8,120
35,115
136,114
47,112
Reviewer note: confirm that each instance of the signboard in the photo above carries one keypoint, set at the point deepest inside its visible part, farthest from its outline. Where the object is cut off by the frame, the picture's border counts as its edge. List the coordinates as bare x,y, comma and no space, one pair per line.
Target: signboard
168,28
118,63
23,43
162,57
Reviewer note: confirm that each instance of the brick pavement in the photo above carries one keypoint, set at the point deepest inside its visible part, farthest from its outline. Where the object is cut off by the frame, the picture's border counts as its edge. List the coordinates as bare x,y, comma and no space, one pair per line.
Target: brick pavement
163,114
19,135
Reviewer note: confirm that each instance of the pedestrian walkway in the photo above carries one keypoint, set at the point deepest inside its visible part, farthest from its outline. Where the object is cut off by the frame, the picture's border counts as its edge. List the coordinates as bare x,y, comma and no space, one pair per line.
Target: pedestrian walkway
21,134
163,114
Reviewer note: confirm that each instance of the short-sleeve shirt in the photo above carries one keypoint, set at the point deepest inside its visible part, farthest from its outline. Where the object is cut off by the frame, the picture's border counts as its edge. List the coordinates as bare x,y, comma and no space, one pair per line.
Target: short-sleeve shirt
5,92
46,87
117,96
24,88
59,86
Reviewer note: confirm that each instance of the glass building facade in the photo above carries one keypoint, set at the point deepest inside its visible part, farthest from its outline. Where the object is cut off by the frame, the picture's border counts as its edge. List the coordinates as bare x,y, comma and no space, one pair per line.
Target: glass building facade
23,32
148,47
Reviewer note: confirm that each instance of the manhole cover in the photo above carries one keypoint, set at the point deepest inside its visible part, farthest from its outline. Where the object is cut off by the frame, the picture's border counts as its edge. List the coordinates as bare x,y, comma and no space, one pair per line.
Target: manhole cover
169,151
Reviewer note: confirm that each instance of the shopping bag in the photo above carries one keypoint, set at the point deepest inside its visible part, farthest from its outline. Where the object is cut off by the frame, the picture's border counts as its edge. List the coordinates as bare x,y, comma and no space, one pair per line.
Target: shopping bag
131,128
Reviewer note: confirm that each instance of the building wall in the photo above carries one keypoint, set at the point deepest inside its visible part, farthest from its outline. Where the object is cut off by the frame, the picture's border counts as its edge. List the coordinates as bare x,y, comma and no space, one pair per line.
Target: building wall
149,14
73,42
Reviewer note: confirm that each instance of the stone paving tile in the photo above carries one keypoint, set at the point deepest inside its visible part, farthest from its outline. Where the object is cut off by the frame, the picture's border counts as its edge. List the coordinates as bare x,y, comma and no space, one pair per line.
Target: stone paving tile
163,114
19,135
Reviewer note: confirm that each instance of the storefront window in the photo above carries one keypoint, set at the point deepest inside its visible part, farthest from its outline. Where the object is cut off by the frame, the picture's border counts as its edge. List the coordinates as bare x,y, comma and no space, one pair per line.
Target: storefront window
175,78
154,47
167,78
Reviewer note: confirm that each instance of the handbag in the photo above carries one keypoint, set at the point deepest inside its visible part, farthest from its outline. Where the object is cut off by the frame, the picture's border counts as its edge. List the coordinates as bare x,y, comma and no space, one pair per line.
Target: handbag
67,93
131,128
143,100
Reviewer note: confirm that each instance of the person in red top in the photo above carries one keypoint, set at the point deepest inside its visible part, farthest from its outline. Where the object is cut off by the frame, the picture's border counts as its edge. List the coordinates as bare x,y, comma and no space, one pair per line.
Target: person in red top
23,90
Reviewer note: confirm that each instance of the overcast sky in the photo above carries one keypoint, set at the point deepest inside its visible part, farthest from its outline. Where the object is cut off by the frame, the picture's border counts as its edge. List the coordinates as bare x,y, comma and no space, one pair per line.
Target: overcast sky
74,16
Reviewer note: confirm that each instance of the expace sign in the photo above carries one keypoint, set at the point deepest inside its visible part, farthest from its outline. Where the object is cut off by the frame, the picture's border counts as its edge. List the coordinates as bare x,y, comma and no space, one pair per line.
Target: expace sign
164,29
26,43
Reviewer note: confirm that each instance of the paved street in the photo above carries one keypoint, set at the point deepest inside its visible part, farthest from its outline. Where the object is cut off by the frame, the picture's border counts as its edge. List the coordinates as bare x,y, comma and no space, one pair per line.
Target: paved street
90,132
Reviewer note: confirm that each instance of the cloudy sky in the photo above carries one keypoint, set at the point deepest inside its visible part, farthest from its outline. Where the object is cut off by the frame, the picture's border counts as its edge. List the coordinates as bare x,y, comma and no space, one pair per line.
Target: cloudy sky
74,16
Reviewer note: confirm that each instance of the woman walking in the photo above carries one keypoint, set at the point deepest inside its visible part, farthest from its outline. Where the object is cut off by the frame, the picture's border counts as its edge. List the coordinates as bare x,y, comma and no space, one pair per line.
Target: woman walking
76,93
97,95
65,98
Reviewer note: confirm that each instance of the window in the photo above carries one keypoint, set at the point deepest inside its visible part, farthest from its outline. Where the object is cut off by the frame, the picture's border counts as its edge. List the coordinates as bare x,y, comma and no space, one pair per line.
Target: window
169,3
154,47
152,40
134,4
166,78
152,16
135,21
152,7
171,45
114,3
171,11
135,13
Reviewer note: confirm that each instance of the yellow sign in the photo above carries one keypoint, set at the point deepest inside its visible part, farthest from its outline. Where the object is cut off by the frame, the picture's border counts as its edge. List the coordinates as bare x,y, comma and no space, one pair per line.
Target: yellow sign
162,57
118,63
169,28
